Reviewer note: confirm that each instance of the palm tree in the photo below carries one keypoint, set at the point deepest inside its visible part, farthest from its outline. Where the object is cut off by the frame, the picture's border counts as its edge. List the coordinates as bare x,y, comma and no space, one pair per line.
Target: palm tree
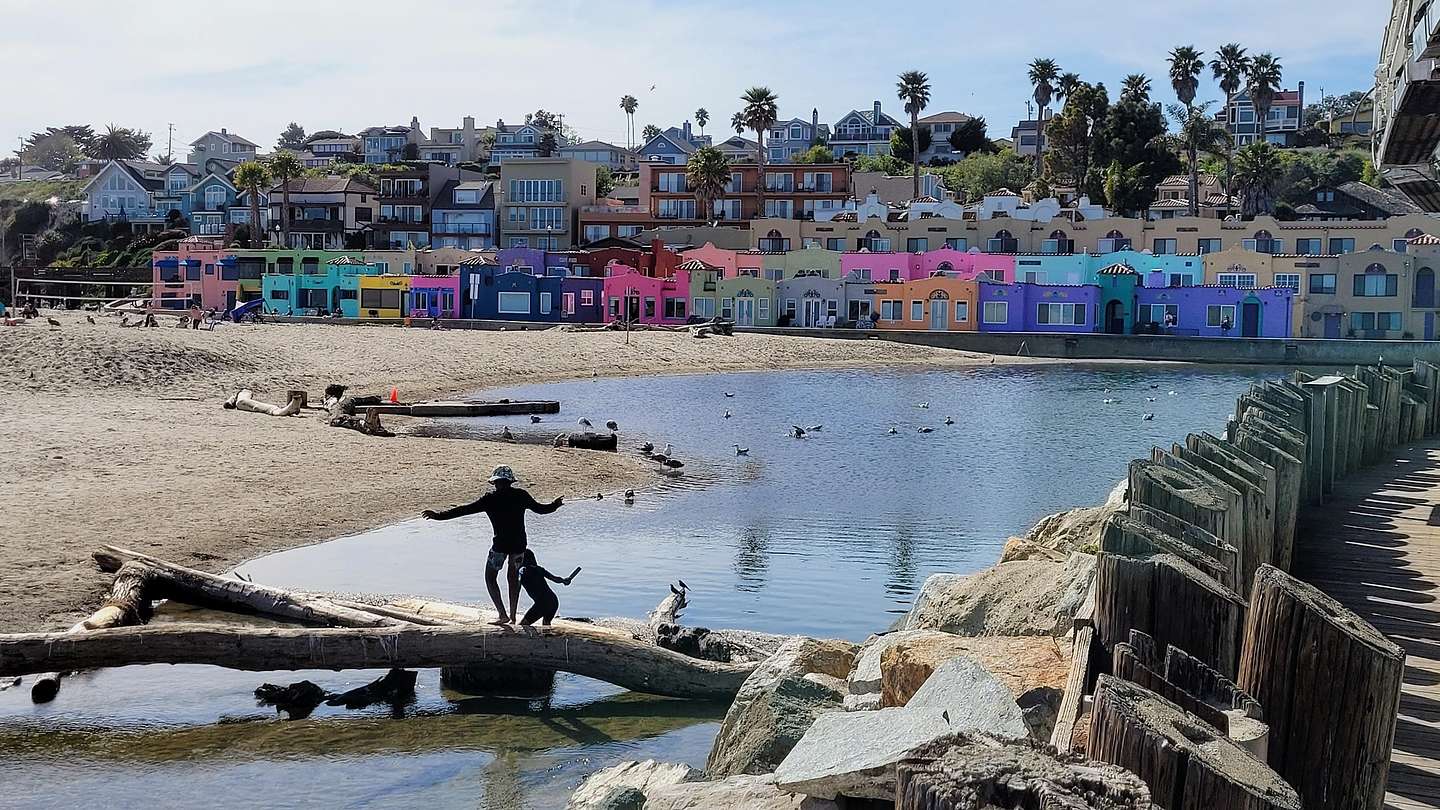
1258,170
629,105
1197,133
761,109
284,167
1186,65
702,117
121,143
252,176
1066,86
913,88
1230,66
707,173
737,121
1043,73
1262,83
1136,86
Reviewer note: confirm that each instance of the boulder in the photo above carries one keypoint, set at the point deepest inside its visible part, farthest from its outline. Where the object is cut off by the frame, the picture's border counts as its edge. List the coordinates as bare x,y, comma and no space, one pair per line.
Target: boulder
865,678
853,754
776,704
1018,548
604,788
972,699
830,682
1022,663
1077,529
749,791
1021,598
1041,707
861,703
623,798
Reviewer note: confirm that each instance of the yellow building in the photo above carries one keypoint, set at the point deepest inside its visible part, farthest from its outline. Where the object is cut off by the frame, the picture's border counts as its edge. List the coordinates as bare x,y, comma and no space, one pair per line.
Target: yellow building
383,296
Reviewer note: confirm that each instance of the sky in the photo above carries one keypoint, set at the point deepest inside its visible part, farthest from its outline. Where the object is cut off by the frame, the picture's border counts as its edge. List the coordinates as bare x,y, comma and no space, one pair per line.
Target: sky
256,65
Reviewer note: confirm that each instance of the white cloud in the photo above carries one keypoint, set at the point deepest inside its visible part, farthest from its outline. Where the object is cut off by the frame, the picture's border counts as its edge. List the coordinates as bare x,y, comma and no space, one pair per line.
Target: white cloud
253,67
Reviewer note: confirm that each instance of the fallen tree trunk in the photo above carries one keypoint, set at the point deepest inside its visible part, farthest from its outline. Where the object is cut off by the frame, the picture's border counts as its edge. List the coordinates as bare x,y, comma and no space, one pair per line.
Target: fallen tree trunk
198,587
128,603
579,648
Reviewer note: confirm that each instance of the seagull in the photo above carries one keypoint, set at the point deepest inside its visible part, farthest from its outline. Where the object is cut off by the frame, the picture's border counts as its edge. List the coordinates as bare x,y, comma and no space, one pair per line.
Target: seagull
1149,399
924,406
612,425
599,496
729,394
949,421
1154,385
727,413
559,440
1110,401
669,451
815,428
652,88
583,422
926,430
1149,417
534,419
90,319
506,434
683,586
1173,394
647,447
892,431
797,431
629,495
742,451
53,322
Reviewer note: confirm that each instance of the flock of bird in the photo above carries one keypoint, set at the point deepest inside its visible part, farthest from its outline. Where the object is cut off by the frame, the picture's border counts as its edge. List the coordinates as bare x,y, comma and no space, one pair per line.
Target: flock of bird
1145,417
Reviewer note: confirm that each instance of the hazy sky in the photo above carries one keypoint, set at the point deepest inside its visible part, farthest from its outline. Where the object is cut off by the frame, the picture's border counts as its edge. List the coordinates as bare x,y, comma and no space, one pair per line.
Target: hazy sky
254,65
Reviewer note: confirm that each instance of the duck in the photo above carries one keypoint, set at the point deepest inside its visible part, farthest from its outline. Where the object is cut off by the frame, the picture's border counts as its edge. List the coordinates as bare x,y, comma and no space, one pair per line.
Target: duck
924,406
1173,394
583,422
926,430
815,428
599,496
629,494
1149,417
534,420
646,447
797,431
741,451
727,413
1110,401
90,319
612,426
673,463
893,431
1149,399
506,434
949,421
729,394
54,323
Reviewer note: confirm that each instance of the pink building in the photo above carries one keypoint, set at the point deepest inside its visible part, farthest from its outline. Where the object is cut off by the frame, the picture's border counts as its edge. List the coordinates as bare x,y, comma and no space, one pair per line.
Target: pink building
200,270
717,257
749,263
630,294
881,266
435,296
967,265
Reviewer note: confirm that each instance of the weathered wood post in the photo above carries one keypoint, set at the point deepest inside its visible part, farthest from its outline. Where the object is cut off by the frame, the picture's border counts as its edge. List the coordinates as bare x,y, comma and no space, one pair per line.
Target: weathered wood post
1289,483
1330,687
1187,763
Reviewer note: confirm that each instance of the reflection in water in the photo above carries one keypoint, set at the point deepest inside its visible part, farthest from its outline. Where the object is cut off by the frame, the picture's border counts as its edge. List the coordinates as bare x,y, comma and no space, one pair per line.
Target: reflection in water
904,566
752,558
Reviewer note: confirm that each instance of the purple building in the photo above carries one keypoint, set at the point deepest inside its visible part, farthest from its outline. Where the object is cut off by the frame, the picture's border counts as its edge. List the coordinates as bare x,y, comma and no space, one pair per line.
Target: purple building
1213,311
1038,307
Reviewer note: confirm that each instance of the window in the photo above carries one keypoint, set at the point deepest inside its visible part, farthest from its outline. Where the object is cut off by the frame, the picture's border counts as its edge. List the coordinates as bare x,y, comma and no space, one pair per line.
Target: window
703,307
671,181
649,306
996,312
1166,246
762,310
962,311
1220,315
545,299
1375,321
1308,247
547,218
958,244
537,190
1158,313
1376,283
513,303
587,298
1203,246
727,209
917,245
1034,276
1244,281
1063,314
779,181
1342,245
890,310
1291,280
594,233
279,295
835,243
1179,280
1323,283
781,209
917,310
215,198
1399,245
675,308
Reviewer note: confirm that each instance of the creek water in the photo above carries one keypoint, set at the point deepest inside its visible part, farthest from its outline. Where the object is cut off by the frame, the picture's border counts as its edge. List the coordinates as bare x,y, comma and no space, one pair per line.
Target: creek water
828,535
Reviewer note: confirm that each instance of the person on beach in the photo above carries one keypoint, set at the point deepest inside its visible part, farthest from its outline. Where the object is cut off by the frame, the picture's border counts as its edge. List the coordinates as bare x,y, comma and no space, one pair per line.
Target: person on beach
505,505
545,602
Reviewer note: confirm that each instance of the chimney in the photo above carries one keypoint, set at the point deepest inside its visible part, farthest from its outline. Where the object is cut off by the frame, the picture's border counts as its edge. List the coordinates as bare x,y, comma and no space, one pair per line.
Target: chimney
686,130
877,111
815,122
467,137
223,132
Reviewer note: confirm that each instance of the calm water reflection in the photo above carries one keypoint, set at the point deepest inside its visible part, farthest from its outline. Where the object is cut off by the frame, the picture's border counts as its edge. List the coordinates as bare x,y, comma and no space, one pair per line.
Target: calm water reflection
827,535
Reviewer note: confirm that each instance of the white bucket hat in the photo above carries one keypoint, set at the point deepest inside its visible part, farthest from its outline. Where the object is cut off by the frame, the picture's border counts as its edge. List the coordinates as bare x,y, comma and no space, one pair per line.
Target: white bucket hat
502,473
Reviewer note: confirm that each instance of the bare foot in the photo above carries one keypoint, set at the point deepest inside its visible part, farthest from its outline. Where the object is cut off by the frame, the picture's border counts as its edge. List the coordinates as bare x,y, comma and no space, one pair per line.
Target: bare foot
503,621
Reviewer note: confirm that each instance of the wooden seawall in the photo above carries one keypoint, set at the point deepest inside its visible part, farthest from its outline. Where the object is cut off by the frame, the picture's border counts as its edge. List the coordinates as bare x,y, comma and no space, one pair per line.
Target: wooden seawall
1205,595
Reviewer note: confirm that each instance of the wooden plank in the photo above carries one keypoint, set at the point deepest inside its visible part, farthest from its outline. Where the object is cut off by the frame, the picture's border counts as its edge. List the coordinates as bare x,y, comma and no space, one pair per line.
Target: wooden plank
503,407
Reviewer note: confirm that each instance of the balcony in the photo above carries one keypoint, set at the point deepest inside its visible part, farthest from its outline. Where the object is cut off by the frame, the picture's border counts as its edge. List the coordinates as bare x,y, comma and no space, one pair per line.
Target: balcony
462,228
1425,37
420,220
1412,130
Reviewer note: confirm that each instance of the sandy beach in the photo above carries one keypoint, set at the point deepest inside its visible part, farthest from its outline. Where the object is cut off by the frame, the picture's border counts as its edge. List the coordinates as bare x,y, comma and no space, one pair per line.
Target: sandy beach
116,435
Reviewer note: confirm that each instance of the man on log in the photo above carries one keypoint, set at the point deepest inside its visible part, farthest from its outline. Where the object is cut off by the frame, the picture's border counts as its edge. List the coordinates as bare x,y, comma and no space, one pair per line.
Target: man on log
505,505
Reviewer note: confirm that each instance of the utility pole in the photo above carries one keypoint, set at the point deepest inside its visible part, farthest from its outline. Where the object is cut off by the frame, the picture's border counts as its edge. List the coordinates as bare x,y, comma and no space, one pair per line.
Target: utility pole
20,158
170,142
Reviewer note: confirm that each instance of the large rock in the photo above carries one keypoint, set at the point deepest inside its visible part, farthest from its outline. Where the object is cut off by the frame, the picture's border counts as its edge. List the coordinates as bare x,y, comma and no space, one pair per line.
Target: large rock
1022,598
1077,529
1022,663
865,678
776,704
854,753
972,699
746,792
613,787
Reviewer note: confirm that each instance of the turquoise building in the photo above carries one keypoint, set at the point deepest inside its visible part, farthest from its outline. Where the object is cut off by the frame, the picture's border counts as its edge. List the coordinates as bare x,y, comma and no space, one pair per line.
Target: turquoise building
1179,270
318,291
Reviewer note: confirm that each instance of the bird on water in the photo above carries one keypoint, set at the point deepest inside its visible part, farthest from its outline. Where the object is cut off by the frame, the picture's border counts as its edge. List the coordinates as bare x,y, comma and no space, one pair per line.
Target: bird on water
741,451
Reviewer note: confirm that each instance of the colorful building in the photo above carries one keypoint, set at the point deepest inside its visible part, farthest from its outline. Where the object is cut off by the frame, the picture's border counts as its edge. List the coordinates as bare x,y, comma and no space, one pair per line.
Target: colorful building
435,296
1208,311
937,303
1038,307
199,270
633,296
748,300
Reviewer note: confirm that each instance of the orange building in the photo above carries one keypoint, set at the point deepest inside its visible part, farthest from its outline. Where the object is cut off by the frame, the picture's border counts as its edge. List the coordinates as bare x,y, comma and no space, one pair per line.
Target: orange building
935,304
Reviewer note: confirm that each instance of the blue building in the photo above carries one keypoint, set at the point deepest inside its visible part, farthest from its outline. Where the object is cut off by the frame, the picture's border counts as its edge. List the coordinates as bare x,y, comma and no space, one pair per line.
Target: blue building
673,146
787,139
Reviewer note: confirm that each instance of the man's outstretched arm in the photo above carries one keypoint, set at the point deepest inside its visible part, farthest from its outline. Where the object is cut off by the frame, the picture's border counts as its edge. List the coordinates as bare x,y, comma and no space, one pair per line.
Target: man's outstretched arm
543,508
455,511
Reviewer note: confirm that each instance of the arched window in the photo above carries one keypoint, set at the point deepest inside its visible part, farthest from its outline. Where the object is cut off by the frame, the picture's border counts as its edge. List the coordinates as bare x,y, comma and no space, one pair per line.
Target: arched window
939,295
773,235
1376,246
945,267
1114,241
1413,232
1375,268
1262,234
1059,234
872,234
1114,235
1002,242
1424,288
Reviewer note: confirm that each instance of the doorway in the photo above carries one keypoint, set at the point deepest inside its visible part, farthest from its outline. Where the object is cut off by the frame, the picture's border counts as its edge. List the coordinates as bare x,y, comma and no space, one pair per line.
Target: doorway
1115,318
812,312
939,314
744,311
1332,325
1250,319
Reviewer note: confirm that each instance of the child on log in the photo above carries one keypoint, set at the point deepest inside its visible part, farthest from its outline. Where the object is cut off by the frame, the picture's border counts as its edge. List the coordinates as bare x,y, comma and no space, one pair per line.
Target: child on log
532,579
505,505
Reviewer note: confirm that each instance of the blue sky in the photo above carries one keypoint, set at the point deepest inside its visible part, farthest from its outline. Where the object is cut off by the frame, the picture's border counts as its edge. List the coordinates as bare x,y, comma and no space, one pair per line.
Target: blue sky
261,64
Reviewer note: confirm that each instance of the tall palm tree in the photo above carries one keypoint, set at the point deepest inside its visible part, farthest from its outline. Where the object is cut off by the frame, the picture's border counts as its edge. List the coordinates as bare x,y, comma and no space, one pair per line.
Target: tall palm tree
1197,133
707,172
284,167
251,176
913,88
1066,86
1186,65
1262,82
629,105
1136,86
702,117
1230,67
761,109
1258,171
1043,74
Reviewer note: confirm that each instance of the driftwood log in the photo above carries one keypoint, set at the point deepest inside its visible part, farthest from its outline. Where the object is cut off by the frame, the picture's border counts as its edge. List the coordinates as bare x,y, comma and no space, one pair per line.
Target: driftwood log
1187,763
1330,686
127,603
583,649
972,772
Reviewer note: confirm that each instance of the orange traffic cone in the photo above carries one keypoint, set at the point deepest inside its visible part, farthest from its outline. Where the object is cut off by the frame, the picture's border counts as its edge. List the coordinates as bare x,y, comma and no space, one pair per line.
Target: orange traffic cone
394,394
